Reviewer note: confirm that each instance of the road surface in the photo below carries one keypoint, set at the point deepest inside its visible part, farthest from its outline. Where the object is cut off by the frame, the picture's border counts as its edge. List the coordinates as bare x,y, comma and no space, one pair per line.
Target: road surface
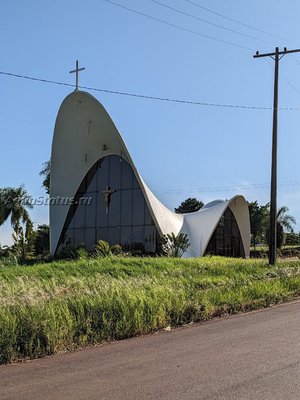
249,356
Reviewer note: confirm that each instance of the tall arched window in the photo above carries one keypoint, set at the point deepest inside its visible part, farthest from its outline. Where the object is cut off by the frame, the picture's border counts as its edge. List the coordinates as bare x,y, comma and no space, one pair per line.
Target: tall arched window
110,205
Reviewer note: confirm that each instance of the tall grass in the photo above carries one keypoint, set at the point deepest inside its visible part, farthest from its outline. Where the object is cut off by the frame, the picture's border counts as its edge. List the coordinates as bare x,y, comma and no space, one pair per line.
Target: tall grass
59,306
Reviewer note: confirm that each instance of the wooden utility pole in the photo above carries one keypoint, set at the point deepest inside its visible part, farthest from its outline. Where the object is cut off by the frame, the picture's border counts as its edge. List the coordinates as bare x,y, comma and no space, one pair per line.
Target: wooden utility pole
277,56
77,70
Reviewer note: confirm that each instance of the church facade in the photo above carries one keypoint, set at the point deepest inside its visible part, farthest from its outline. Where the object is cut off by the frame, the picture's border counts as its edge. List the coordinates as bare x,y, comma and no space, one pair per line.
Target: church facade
97,194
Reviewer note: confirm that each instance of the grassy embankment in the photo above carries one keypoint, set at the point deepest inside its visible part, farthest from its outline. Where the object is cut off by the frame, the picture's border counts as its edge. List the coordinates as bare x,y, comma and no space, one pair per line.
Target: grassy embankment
47,308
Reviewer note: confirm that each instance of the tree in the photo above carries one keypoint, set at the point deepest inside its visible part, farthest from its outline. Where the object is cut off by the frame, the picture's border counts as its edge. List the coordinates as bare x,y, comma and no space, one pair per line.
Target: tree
45,172
285,220
175,246
41,244
13,204
280,236
292,239
24,238
189,205
259,217
284,223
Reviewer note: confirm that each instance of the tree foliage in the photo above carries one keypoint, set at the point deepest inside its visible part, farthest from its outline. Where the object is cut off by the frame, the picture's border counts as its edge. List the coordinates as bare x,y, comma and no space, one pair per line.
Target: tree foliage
175,245
285,220
45,172
24,237
260,219
41,244
14,203
189,205
292,239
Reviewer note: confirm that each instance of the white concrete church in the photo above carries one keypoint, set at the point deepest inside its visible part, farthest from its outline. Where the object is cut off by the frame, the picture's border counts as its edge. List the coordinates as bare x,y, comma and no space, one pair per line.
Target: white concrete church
90,161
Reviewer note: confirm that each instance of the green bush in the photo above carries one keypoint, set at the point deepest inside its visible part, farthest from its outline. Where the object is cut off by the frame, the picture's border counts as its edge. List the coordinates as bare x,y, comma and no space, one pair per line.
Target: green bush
116,250
101,249
9,260
81,252
174,245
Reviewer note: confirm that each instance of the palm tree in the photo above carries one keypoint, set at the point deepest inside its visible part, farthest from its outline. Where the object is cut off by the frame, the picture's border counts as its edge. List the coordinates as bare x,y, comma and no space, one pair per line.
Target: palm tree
285,220
45,172
13,204
284,223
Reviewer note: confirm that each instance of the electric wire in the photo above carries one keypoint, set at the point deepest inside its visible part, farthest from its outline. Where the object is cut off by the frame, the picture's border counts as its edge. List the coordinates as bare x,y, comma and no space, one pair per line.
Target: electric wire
224,188
237,21
178,26
142,96
209,22
287,80
290,84
295,59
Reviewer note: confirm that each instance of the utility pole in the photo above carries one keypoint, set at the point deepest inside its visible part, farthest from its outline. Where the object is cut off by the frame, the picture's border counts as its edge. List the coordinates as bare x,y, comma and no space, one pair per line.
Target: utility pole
277,56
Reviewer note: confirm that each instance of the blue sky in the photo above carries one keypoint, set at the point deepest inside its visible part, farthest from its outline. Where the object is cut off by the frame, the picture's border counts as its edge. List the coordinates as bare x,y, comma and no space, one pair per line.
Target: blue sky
181,150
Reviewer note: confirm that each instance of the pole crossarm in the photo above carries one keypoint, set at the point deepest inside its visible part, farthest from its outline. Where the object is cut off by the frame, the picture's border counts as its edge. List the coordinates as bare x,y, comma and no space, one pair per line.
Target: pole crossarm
284,52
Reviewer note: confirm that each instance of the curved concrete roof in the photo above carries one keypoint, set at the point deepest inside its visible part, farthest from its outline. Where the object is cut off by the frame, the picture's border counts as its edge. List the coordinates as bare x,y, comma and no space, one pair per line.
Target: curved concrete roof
85,133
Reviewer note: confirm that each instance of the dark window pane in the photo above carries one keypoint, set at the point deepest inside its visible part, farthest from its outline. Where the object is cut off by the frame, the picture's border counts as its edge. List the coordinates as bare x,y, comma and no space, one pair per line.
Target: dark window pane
102,216
90,238
126,207
79,237
148,218
92,187
72,211
150,239
138,237
103,174
115,173
114,217
79,217
126,175
126,237
137,207
102,234
135,183
114,236
90,211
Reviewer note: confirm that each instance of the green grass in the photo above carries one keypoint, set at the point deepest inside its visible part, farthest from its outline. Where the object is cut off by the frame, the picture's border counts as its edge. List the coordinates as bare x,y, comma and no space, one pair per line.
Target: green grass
59,306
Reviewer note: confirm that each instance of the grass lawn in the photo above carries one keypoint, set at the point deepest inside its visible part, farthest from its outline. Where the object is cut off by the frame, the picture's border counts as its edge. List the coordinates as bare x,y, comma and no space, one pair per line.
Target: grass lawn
62,305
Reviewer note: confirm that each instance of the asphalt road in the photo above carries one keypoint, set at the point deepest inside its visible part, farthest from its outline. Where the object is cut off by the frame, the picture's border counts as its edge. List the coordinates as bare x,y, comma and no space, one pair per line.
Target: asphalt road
250,356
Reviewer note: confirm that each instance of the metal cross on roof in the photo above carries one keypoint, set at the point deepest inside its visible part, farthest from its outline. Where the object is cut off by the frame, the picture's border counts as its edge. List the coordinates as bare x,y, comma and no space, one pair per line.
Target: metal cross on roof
76,70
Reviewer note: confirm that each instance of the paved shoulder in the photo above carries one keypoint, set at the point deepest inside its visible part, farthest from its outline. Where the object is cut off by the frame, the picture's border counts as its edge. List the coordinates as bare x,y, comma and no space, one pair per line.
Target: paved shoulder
250,356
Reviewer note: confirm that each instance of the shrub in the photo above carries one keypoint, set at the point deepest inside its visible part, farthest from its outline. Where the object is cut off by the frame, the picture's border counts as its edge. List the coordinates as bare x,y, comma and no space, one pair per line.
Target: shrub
81,252
101,249
175,245
116,250
9,260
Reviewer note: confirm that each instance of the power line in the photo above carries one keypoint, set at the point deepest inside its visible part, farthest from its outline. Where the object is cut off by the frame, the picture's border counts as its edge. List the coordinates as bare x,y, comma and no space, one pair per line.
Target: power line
178,26
290,83
295,59
222,188
141,96
237,22
209,22
286,80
